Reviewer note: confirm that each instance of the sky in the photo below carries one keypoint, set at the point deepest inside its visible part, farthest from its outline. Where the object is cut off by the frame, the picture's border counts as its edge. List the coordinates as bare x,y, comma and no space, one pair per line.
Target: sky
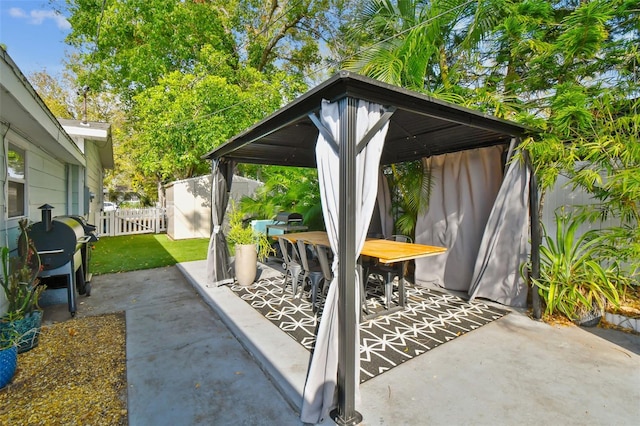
33,35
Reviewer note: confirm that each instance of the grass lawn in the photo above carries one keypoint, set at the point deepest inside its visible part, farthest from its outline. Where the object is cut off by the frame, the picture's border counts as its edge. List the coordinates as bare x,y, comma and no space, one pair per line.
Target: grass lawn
145,251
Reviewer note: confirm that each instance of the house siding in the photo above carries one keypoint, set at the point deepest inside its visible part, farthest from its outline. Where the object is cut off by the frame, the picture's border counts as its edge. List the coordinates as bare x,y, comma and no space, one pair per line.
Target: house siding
45,183
75,185
95,176
55,162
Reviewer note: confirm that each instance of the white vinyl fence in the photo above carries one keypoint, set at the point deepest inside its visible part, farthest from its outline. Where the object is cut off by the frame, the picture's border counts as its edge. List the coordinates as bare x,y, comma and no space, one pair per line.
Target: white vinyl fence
131,221
563,195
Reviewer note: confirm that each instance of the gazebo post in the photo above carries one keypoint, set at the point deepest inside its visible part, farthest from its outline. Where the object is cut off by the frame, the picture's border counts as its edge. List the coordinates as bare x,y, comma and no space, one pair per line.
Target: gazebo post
536,236
345,413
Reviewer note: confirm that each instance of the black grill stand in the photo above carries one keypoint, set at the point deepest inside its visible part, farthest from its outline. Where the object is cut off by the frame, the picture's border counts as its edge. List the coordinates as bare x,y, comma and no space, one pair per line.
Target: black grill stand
74,276
63,246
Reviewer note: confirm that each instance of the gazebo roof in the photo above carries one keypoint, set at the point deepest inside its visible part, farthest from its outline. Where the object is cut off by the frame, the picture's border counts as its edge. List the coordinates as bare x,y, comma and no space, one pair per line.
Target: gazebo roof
420,127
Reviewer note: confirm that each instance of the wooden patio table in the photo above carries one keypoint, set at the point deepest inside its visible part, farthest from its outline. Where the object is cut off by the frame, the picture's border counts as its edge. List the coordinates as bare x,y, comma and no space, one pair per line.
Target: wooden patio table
386,251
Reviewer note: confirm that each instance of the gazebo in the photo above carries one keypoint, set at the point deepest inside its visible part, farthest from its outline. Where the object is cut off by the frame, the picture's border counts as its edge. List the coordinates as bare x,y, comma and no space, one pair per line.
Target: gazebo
348,127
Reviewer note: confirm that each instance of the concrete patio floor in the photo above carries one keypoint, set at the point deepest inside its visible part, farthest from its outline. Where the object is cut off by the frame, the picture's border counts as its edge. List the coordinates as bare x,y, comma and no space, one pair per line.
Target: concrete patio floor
214,360
511,371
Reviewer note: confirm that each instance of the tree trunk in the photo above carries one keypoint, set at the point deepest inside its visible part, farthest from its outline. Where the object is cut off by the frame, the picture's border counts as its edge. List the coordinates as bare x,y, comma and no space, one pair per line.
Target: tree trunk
162,199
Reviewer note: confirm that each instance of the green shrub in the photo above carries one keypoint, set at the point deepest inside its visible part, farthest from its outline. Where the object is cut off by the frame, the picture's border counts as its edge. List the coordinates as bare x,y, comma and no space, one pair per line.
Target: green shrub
240,233
574,275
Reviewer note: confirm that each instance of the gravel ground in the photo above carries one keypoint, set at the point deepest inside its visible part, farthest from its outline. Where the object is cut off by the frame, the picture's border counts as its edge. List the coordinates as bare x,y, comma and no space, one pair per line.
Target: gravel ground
75,376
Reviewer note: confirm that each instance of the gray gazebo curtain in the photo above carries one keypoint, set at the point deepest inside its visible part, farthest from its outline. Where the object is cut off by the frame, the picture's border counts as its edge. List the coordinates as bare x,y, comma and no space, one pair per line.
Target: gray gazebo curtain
320,387
381,225
218,267
465,187
505,244
384,205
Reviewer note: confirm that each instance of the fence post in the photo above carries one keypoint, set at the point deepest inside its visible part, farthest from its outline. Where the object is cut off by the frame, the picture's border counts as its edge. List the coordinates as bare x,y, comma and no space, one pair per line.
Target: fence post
132,221
112,223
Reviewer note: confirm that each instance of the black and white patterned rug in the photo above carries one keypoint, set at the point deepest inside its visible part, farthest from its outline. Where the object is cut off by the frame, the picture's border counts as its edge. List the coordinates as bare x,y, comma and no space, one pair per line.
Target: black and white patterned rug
431,318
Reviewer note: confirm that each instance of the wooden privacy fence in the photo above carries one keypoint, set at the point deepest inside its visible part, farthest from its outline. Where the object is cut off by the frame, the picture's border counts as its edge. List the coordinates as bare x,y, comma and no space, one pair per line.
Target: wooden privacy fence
131,221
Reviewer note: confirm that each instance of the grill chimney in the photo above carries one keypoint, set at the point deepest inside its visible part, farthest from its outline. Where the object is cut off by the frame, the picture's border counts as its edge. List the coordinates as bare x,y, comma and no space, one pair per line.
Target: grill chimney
46,216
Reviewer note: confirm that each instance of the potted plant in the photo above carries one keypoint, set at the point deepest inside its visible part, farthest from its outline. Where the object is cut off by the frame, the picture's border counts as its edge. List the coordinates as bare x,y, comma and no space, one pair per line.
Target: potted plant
575,278
8,356
22,290
248,245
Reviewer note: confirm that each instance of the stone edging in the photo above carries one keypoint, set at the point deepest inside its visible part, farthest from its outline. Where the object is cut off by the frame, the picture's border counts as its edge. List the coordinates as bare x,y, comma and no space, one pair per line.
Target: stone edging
623,321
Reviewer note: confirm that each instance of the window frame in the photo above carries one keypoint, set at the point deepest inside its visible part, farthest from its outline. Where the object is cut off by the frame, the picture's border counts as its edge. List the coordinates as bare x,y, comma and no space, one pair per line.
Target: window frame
12,146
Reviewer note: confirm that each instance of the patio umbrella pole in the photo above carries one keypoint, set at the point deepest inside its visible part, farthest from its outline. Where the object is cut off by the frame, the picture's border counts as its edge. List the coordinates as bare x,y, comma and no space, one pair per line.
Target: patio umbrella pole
345,413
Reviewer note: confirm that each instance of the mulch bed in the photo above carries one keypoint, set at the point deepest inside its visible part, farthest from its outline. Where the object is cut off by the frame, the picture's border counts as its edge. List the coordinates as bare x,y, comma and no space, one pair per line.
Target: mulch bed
75,376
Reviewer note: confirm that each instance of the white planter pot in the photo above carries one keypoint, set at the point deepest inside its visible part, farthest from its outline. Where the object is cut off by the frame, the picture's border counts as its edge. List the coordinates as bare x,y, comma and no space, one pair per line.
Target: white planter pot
246,264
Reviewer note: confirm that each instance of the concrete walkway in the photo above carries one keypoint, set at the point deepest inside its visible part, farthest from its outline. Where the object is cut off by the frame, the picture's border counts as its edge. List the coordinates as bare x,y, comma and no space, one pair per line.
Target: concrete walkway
184,367
214,360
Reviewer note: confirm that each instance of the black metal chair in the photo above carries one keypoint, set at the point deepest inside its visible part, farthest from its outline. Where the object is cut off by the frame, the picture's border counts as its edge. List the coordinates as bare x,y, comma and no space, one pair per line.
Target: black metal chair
313,272
291,260
325,265
384,272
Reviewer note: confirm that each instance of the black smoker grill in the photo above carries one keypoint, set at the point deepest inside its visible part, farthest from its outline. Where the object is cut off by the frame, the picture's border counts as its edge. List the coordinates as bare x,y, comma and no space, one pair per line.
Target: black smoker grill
63,246
285,222
90,232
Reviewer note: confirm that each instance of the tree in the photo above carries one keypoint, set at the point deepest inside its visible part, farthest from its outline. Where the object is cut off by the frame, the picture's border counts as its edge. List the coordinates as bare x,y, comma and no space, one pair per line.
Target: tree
406,42
413,44
186,115
576,68
286,34
65,100
58,98
568,68
289,189
192,73
410,185
129,45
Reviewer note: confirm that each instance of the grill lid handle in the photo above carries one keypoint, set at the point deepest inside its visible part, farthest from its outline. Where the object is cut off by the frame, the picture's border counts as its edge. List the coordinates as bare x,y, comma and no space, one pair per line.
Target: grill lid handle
57,251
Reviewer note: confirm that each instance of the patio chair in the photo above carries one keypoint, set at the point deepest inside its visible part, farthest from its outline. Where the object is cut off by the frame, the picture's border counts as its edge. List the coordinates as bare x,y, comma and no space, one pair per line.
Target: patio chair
291,261
385,272
325,264
312,271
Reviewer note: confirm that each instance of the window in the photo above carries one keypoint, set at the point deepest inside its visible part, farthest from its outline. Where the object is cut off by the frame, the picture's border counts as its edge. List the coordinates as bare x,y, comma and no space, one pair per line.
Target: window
16,175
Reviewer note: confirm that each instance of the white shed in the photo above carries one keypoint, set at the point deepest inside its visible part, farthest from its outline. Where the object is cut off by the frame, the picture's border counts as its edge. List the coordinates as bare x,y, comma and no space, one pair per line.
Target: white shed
189,205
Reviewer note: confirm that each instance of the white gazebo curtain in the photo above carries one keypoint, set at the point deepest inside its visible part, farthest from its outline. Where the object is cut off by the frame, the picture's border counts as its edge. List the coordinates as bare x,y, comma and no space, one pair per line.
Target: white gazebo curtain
218,266
321,385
